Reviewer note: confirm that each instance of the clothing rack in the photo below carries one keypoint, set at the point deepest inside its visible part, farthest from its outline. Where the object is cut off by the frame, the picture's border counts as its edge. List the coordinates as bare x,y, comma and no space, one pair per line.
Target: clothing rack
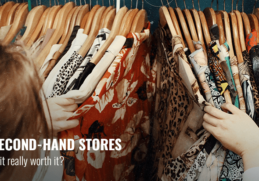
152,6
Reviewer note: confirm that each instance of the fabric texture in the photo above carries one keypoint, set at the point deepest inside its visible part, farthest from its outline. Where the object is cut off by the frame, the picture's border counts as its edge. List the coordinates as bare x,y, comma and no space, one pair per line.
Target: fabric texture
92,80
247,88
53,50
85,69
65,72
200,64
57,55
225,63
120,107
51,79
217,70
177,137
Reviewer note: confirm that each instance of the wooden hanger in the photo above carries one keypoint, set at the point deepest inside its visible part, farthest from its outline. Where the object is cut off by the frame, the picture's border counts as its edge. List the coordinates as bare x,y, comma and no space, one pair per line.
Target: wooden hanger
222,38
38,29
240,28
127,22
176,24
245,21
139,21
210,16
17,25
4,12
57,33
114,32
83,22
69,23
32,21
189,20
185,30
109,19
197,21
205,27
90,18
82,12
228,34
11,14
50,19
105,13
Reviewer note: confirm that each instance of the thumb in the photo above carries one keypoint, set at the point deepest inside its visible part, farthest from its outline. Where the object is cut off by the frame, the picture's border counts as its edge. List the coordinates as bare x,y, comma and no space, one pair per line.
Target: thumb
65,125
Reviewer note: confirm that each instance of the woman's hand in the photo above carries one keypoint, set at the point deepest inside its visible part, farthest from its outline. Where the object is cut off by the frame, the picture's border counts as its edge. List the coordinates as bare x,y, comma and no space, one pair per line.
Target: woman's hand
236,132
60,110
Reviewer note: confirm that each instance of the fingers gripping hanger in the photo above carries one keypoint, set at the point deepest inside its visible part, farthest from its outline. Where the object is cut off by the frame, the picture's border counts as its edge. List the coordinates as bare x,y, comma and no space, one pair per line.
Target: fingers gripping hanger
197,21
175,22
245,20
240,28
184,27
60,23
210,15
4,12
253,18
32,21
17,25
205,27
114,32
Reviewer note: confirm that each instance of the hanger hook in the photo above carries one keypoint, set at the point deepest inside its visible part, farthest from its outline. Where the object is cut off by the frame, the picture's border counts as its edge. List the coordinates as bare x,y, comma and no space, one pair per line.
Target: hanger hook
137,4
184,4
211,3
176,3
162,3
232,5
113,3
237,5
242,5
193,4
254,6
80,2
142,4
168,3
131,4
85,1
102,2
224,5
199,6
49,3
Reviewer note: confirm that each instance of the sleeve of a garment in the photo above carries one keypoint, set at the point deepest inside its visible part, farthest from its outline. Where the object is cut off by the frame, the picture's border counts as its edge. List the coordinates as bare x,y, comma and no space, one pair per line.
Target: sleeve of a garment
251,174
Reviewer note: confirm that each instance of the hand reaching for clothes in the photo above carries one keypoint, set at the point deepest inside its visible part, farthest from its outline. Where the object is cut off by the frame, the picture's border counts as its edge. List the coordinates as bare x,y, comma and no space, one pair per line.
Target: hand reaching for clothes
236,132
60,109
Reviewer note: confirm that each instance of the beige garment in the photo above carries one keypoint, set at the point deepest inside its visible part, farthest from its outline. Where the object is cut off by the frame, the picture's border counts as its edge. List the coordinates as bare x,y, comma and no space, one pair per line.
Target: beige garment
38,46
3,31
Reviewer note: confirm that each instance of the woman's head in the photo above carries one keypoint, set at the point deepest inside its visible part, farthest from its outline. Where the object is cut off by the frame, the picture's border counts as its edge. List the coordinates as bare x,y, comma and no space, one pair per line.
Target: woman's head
21,111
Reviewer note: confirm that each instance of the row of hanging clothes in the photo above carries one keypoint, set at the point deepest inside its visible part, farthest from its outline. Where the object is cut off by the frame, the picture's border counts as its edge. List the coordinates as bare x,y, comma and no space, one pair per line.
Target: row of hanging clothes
203,58
148,91
98,56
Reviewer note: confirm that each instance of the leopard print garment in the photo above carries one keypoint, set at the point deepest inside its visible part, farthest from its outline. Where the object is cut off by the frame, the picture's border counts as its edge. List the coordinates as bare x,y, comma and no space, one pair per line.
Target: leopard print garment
65,73
172,108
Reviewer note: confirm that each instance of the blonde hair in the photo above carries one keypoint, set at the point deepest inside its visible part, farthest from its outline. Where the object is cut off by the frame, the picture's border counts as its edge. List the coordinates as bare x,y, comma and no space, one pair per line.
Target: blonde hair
21,109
